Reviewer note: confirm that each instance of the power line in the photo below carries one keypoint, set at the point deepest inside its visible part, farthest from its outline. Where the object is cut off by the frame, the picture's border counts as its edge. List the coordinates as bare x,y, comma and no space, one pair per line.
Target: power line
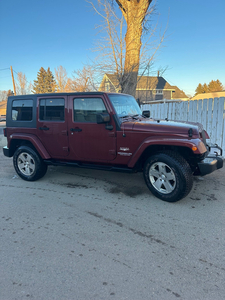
4,69
186,91
17,74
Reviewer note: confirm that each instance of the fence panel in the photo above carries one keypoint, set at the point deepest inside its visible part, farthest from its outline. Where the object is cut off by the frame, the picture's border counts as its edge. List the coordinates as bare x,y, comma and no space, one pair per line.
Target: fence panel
204,112
210,113
220,121
209,117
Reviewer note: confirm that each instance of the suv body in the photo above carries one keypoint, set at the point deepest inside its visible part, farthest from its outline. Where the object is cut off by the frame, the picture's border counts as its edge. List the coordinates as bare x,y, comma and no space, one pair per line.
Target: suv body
105,131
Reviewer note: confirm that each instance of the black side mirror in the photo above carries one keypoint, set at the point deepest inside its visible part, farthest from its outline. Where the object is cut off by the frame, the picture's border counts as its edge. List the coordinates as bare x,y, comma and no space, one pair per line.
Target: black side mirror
146,113
103,118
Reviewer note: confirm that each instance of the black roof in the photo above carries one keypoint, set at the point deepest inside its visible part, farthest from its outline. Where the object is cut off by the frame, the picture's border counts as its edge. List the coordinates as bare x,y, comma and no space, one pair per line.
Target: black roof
57,94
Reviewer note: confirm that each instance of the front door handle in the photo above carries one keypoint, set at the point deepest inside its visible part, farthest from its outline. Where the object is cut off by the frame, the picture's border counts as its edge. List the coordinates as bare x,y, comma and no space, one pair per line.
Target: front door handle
43,128
77,129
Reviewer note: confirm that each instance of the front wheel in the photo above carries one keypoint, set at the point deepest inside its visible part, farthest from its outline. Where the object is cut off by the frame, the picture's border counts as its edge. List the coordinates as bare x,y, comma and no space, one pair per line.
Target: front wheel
168,176
28,165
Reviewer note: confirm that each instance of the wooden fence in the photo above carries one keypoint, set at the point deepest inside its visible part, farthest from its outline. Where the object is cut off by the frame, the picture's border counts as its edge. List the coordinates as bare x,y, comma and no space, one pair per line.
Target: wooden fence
209,112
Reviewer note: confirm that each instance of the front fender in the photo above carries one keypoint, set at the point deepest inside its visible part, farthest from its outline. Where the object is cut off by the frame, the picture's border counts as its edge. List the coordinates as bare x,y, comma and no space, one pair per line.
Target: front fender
34,141
201,148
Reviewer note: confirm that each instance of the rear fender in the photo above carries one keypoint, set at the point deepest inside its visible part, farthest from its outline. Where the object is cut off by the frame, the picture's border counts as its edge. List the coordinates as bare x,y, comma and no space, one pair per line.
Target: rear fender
163,142
33,140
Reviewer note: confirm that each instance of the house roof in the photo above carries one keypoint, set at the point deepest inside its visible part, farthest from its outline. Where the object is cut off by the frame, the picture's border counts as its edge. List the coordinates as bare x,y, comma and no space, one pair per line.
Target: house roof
151,83
178,94
209,95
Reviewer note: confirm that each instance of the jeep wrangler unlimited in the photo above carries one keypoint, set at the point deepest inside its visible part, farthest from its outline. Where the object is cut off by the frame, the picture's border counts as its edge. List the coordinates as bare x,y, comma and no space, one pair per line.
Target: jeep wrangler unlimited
106,131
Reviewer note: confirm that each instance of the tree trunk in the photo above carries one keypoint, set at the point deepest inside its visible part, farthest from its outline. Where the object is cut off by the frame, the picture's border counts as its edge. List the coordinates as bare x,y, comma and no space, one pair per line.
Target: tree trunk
134,13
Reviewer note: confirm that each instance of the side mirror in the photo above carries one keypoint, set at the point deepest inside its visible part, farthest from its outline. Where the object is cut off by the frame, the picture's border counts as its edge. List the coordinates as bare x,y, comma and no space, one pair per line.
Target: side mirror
103,118
146,113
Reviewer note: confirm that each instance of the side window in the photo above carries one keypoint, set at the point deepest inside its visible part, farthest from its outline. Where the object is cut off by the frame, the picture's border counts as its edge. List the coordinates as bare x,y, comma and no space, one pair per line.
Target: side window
22,110
52,109
86,109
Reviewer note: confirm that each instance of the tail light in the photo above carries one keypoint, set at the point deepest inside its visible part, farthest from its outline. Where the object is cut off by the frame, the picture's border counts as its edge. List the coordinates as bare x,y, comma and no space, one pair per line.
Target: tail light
4,131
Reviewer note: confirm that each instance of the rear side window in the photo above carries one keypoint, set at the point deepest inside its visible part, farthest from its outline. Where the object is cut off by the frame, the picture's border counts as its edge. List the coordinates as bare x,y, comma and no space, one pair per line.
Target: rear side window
52,109
22,110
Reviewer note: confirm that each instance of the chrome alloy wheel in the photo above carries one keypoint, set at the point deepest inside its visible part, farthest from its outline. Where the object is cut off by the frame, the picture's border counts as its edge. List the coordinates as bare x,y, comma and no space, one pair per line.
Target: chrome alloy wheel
162,177
26,164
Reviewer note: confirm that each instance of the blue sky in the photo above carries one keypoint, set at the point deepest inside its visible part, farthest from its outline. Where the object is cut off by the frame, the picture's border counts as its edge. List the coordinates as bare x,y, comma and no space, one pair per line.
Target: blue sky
49,33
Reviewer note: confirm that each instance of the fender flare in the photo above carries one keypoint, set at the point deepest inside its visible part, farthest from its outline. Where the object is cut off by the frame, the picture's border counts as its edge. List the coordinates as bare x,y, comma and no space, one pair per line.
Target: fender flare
201,148
34,141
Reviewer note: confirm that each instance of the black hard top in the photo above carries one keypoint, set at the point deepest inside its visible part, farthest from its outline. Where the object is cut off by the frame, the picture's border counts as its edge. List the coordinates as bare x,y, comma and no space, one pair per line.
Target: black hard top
60,94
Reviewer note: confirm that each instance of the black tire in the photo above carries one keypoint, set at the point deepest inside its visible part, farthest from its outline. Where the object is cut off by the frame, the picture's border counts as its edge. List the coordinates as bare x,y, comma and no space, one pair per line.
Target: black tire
28,164
168,176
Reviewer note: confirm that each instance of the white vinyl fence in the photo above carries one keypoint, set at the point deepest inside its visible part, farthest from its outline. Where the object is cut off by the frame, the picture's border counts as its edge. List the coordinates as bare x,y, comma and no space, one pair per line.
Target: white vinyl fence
209,112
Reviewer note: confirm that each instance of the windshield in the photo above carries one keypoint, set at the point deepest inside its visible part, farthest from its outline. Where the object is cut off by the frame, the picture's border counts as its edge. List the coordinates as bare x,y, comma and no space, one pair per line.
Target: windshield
125,105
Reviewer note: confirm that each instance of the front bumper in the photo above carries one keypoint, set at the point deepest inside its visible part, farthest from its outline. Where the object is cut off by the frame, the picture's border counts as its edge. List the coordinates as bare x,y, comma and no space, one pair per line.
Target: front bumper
212,162
7,152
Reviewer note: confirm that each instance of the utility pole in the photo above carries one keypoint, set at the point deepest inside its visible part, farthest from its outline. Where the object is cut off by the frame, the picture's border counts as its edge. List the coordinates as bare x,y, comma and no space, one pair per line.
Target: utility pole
14,87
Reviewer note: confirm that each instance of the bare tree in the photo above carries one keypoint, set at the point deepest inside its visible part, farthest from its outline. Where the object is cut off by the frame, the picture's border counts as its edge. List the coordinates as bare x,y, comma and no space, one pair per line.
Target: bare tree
62,81
22,85
83,80
3,95
125,54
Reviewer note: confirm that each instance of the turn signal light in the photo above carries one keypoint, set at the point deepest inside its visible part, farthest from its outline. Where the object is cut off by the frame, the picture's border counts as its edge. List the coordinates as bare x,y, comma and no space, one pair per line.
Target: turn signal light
194,148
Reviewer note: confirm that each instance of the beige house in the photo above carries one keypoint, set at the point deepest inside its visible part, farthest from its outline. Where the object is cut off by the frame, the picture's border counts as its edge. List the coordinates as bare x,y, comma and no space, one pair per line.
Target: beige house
3,105
149,88
209,95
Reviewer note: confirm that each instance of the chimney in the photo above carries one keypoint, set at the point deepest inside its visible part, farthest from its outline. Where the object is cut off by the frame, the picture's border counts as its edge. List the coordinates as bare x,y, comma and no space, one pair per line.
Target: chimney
158,73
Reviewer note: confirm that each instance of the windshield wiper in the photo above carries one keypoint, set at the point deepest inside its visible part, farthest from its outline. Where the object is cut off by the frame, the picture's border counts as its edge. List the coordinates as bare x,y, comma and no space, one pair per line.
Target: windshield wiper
130,116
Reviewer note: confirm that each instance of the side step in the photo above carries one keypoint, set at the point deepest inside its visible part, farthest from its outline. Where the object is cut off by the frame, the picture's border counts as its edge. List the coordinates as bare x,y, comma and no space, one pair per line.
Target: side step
89,166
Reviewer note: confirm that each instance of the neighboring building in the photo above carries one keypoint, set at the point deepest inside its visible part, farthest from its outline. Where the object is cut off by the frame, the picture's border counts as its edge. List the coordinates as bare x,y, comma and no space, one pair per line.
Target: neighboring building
149,88
3,105
208,95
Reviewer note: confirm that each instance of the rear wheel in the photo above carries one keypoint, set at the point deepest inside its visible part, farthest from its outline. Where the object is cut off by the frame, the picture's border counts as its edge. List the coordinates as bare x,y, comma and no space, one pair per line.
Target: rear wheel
28,165
168,176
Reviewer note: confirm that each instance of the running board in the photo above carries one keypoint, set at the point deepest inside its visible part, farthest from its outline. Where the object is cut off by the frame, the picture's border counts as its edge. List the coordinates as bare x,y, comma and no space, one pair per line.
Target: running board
89,166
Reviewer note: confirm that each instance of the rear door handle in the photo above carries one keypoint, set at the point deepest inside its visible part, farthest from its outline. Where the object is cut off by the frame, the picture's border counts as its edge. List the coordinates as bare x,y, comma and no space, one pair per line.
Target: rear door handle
43,128
76,129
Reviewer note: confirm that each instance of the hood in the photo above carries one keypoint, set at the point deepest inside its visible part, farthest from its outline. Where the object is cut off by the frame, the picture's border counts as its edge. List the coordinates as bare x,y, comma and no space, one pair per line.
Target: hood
164,126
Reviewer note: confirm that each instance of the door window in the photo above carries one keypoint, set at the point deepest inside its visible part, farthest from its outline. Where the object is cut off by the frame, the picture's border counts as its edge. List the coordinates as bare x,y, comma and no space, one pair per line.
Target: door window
52,109
86,109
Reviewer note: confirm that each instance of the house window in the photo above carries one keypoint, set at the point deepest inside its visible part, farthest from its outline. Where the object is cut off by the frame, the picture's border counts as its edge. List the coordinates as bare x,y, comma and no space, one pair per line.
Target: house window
107,87
22,110
158,92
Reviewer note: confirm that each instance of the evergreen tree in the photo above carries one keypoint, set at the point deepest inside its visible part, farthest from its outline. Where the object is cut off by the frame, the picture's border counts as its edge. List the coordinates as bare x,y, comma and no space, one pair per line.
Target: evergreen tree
10,93
45,82
215,86
199,89
50,82
205,88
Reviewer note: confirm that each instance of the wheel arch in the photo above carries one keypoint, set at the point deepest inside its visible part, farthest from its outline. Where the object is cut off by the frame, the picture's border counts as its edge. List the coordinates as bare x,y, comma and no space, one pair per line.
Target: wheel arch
185,152
28,140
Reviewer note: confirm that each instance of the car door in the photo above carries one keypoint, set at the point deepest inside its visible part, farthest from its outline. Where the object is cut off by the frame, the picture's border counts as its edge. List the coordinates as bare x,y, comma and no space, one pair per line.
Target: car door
52,125
88,140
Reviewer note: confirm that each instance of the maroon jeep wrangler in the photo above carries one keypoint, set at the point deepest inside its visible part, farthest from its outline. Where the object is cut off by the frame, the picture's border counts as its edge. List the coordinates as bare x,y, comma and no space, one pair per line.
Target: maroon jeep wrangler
106,131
